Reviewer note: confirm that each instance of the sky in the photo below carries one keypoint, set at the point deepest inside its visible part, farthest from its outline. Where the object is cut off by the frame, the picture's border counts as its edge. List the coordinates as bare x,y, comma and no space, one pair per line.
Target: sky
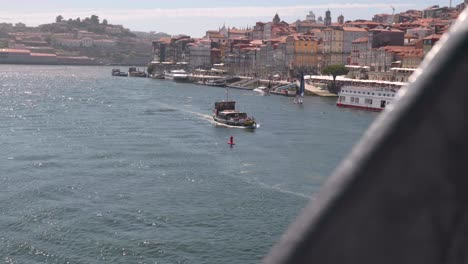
193,17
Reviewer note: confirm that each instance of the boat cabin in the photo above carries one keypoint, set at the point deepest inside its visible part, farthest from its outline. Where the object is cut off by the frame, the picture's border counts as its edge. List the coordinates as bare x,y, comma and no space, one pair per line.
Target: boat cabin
225,105
232,115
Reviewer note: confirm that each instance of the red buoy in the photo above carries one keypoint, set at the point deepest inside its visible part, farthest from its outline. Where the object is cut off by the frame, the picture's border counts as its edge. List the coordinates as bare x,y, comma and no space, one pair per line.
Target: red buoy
231,141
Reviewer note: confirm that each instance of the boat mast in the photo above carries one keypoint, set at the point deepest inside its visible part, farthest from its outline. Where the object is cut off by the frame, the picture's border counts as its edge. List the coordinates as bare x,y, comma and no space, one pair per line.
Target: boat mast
227,93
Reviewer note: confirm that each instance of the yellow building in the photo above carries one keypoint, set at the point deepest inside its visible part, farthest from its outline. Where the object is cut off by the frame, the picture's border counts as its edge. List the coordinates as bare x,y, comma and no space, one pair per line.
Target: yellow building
301,52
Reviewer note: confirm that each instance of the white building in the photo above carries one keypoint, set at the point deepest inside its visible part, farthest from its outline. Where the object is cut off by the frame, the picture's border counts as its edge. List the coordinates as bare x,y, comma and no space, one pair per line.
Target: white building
199,54
87,42
69,43
105,43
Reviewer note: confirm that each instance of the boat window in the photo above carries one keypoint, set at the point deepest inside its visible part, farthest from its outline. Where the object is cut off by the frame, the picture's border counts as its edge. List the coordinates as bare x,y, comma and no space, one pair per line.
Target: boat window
368,93
373,94
379,94
356,100
368,101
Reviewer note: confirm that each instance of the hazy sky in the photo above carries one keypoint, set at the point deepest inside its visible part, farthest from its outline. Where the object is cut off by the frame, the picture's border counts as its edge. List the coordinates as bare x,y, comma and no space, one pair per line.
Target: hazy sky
195,17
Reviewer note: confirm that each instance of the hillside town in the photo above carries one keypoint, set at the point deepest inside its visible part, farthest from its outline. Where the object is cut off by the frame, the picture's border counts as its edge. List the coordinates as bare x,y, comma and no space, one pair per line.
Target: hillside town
87,41
389,47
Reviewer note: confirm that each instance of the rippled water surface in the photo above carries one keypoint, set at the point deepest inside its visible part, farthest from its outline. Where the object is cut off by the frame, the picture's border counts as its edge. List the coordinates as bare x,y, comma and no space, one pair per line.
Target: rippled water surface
101,169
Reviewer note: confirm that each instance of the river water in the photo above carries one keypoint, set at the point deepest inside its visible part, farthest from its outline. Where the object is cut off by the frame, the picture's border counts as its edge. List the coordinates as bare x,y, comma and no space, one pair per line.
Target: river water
102,169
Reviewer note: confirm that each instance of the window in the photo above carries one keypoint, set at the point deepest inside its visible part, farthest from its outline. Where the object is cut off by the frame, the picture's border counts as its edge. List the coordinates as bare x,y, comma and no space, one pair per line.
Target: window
356,100
368,101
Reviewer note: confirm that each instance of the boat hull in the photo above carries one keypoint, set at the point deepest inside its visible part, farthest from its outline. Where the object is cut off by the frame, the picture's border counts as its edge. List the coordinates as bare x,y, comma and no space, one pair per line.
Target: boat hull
234,123
122,74
360,107
180,79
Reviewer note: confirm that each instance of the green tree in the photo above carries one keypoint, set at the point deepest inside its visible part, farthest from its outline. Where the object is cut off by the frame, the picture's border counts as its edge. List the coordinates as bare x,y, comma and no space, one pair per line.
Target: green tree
94,19
334,70
59,19
104,22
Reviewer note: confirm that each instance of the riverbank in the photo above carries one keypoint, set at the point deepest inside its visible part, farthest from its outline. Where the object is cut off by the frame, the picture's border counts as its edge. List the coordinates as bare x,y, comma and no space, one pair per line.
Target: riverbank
277,87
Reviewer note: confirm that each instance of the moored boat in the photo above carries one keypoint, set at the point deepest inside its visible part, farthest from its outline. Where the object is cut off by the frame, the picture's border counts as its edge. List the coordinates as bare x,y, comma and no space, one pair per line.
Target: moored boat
217,83
366,98
225,113
177,75
159,76
117,72
262,90
134,72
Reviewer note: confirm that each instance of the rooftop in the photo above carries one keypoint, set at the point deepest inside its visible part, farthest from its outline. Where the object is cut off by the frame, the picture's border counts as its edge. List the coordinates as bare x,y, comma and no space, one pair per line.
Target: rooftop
361,40
15,50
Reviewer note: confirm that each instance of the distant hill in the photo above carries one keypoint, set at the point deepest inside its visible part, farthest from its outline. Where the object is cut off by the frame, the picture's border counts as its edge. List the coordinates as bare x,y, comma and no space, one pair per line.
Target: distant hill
101,41
151,35
91,24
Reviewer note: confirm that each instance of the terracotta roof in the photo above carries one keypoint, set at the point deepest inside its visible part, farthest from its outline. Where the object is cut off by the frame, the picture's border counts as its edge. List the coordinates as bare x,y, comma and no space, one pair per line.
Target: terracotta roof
281,39
15,50
164,40
361,40
404,51
303,37
216,35
237,31
434,37
408,36
256,42
43,55
385,30
364,23
354,29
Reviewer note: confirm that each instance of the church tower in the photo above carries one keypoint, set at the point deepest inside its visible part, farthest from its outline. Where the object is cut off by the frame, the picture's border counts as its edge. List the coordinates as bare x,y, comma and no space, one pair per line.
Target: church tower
276,19
341,19
311,17
327,19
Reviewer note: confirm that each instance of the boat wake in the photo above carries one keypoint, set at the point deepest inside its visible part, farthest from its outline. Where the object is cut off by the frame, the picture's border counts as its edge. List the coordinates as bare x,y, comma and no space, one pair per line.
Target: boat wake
281,190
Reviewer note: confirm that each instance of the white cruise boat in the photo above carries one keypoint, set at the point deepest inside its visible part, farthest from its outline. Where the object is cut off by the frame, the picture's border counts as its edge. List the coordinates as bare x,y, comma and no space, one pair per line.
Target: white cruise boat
176,75
366,98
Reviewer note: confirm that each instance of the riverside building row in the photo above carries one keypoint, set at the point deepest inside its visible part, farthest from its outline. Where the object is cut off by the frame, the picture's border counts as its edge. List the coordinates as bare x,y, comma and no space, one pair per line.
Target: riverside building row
388,47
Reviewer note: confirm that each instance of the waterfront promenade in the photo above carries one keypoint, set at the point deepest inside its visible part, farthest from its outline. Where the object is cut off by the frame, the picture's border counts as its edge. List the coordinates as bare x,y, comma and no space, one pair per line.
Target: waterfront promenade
310,89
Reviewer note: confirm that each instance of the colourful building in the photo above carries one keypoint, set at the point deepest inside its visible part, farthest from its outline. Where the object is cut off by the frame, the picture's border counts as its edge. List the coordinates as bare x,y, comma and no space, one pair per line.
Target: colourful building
301,52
